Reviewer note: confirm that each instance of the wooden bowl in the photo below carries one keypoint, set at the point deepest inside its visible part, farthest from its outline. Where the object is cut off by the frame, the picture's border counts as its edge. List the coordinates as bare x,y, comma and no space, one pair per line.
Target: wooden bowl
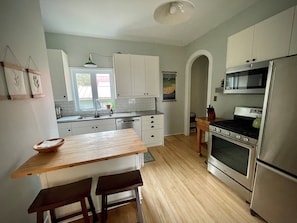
49,145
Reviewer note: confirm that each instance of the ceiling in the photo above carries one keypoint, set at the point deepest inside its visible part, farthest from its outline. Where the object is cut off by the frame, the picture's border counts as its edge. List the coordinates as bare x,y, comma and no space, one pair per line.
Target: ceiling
134,20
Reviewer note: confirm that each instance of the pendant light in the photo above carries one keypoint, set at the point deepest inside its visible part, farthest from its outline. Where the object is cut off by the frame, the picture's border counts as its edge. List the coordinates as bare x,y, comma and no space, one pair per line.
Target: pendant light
90,62
174,12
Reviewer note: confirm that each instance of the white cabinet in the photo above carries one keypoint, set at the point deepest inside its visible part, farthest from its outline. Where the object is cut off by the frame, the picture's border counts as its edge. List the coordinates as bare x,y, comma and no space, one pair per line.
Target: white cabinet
239,48
272,36
137,75
293,45
60,76
152,76
84,127
123,75
152,130
266,40
65,129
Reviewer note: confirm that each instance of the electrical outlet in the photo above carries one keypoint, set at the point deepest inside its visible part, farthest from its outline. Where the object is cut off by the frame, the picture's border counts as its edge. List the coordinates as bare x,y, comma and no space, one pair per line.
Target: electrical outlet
214,98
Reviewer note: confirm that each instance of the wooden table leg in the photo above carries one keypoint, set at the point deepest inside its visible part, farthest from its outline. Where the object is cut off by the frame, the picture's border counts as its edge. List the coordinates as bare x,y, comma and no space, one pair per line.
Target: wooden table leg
199,138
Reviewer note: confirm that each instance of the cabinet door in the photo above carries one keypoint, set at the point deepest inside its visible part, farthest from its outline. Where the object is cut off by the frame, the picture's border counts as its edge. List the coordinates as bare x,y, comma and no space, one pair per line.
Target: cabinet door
152,78
60,76
106,125
138,75
83,127
272,36
123,75
239,48
64,129
293,45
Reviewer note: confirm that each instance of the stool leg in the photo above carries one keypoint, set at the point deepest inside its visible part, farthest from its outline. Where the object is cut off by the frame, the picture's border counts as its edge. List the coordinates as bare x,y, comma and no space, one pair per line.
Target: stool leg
84,210
103,207
92,207
139,211
53,216
39,216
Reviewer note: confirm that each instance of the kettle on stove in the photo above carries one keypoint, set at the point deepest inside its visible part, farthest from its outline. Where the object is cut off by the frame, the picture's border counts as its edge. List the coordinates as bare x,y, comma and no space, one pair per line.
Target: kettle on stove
257,122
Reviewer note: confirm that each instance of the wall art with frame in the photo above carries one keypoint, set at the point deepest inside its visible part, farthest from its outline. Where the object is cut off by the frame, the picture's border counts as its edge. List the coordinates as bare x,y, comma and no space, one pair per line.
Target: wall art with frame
35,83
169,85
15,76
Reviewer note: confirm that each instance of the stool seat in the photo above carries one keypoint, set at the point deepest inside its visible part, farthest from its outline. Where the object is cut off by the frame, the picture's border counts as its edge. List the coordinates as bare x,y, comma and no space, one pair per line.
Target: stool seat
58,196
116,183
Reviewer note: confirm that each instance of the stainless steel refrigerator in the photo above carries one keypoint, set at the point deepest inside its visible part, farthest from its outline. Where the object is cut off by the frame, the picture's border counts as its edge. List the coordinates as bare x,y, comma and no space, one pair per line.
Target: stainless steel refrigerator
274,196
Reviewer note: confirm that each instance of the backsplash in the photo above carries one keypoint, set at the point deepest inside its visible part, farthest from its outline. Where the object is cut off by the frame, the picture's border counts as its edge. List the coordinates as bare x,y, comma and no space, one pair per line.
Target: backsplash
121,105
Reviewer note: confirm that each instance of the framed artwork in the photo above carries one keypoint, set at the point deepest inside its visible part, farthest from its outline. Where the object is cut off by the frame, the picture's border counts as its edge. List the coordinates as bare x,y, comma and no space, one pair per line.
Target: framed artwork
169,85
35,83
15,80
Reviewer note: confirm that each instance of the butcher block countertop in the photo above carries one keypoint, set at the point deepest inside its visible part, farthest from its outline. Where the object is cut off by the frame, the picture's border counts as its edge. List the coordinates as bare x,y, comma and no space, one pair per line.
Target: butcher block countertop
83,149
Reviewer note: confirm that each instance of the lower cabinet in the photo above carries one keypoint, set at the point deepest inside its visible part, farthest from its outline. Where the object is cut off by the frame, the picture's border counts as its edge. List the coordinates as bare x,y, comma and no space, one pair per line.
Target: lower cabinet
84,127
152,130
65,129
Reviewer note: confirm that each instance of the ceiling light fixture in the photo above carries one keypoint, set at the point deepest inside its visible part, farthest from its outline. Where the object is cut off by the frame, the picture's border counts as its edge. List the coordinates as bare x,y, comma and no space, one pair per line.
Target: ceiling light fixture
90,62
175,12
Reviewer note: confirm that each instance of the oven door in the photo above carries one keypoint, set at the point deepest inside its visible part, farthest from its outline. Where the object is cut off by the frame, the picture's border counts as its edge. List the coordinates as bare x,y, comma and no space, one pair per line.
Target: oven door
235,159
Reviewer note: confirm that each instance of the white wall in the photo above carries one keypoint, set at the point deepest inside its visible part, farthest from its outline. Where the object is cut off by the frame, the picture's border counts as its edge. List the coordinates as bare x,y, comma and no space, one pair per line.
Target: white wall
216,43
23,122
171,59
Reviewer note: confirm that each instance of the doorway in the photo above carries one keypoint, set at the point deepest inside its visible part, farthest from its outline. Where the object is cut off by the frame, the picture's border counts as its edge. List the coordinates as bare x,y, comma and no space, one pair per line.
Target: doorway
197,86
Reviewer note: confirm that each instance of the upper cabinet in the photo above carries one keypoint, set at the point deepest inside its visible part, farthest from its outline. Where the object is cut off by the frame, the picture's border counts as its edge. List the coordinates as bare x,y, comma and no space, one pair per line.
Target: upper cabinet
60,76
266,40
123,75
136,75
293,46
239,49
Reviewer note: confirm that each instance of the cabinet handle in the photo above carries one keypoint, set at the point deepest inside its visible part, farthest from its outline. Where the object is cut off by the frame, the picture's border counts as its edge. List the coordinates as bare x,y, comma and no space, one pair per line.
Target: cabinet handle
69,130
152,117
247,61
152,121
253,59
152,136
152,126
64,96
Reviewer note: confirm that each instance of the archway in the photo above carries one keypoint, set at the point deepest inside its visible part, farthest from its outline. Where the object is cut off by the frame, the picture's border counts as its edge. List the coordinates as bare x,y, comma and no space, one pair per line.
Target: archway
189,64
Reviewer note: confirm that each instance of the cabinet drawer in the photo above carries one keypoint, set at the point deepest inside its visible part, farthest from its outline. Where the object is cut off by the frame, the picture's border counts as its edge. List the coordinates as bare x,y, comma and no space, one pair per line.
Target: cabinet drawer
152,119
153,137
152,126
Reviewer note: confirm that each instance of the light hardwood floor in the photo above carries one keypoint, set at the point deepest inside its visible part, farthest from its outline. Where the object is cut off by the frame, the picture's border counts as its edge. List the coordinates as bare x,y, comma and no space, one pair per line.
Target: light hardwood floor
179,189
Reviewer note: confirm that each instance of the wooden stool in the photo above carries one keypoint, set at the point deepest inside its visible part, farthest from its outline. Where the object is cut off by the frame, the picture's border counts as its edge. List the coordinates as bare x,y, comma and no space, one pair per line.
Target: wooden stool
116,183
58,196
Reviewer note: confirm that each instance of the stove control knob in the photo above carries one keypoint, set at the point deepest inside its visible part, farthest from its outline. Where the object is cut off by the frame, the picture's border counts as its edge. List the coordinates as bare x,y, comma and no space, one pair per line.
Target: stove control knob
227,133
218,130
245,139
237,137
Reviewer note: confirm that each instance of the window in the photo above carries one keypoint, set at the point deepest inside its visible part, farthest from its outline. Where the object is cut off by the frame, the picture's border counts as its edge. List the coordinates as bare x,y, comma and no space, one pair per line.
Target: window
93,88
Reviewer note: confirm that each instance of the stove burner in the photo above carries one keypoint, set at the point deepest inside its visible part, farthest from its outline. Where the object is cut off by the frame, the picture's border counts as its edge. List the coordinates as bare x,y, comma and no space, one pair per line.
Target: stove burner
243,127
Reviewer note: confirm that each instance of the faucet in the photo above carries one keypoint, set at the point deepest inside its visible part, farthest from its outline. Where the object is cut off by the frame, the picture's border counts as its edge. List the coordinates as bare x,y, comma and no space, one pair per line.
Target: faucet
97,104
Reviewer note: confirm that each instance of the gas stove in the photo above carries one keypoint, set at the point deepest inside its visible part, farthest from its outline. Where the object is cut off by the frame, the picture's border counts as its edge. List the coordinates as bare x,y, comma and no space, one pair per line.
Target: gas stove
240,128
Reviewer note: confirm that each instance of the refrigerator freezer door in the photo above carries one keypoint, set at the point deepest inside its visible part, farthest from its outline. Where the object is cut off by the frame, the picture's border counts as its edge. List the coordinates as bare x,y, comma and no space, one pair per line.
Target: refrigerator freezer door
275,195
278,138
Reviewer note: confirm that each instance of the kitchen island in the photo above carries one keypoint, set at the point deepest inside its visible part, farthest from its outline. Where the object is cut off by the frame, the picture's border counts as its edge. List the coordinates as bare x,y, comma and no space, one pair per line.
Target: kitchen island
87,155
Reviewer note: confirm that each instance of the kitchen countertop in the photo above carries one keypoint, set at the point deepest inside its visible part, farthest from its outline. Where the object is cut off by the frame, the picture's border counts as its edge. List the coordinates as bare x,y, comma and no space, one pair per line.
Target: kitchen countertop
83,149
106,116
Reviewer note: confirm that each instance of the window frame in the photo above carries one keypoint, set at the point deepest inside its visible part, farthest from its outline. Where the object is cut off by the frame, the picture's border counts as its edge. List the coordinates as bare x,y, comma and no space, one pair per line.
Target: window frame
92,72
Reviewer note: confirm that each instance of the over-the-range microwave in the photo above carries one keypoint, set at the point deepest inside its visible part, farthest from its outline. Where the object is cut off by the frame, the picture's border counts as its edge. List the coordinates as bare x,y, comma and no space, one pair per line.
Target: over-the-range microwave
246,79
